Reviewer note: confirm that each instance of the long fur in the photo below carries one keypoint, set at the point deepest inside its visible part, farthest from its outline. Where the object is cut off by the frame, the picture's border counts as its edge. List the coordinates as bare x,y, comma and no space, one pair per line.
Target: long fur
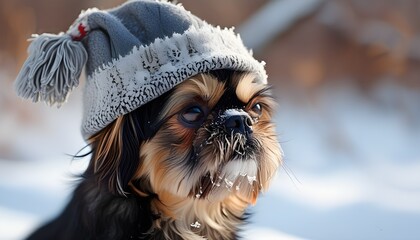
151,176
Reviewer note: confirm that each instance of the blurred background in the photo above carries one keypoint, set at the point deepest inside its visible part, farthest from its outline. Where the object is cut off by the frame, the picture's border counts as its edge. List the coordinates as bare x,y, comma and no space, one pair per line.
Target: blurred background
346,75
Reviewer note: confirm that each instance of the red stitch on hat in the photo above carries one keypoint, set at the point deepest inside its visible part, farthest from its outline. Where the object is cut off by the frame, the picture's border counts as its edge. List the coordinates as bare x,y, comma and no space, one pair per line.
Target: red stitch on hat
82,32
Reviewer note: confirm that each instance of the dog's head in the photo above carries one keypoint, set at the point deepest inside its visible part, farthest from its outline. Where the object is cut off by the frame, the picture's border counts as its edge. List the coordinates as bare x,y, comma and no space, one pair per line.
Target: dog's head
209,137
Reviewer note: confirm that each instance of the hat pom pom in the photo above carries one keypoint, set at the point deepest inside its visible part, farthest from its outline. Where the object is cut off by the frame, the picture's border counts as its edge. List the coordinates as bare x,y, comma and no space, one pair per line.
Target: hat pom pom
52,69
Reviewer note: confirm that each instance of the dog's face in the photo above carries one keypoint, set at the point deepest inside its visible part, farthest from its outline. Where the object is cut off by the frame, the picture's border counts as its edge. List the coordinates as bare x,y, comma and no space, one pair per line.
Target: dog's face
216,139
199,154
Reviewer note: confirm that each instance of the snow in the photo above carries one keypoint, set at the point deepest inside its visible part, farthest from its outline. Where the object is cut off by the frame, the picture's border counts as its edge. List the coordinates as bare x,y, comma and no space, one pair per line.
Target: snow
196,224
352,165
14,223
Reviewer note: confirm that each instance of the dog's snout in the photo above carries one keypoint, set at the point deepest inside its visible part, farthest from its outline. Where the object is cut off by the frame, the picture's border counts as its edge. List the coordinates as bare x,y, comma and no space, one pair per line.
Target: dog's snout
239,123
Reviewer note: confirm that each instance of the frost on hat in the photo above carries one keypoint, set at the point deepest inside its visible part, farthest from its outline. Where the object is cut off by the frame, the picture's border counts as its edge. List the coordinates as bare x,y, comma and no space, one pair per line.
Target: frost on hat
132,54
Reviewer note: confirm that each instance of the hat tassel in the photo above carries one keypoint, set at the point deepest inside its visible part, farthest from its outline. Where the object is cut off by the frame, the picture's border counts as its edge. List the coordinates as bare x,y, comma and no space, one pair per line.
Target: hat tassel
52,69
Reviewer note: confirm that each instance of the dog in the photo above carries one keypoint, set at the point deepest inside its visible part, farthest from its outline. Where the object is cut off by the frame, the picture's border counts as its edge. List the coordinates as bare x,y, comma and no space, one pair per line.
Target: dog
184,166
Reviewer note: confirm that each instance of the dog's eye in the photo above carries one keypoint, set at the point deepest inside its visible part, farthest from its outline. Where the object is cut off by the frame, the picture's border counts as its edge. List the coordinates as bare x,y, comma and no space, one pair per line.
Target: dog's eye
193,115
257,108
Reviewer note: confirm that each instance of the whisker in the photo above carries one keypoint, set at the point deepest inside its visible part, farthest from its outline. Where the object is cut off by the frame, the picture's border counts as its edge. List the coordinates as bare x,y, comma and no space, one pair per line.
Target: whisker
292,176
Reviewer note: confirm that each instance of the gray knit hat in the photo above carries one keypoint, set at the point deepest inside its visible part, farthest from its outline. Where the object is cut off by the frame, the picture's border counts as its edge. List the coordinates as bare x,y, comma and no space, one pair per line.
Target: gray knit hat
132,54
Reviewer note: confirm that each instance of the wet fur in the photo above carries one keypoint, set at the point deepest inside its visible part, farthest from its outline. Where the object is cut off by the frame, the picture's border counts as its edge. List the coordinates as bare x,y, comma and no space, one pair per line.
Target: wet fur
151,177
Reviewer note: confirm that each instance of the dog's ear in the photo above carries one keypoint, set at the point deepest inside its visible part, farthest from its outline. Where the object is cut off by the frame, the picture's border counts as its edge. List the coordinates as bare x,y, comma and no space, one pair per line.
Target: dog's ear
116,148
115,154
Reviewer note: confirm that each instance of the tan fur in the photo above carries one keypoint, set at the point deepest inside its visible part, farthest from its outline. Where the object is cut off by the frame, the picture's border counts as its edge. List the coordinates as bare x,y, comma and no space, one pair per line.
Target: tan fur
108,153
201,87
247,87
181,213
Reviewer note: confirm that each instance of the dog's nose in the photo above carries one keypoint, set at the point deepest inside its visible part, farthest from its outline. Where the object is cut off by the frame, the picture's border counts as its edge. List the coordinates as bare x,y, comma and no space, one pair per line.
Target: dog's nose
239,123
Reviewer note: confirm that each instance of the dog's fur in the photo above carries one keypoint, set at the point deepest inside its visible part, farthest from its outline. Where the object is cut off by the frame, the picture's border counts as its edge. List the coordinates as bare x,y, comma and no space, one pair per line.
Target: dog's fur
156,175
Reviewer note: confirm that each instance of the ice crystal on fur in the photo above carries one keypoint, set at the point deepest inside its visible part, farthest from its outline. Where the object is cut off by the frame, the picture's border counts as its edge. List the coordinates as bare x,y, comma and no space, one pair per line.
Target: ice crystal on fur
196,224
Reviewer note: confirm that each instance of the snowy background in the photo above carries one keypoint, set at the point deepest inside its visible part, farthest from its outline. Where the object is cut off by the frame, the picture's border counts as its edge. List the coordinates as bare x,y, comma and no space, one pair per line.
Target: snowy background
347,82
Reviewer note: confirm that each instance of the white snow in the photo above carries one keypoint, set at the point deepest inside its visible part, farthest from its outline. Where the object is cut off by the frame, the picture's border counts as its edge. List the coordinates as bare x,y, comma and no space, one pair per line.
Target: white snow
196,224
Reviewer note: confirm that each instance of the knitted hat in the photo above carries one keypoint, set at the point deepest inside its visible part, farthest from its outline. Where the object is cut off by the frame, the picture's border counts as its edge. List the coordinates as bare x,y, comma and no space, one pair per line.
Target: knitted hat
132,54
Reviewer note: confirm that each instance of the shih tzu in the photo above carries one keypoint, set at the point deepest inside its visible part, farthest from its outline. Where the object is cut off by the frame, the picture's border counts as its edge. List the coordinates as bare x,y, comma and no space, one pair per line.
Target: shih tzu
179,124
207,150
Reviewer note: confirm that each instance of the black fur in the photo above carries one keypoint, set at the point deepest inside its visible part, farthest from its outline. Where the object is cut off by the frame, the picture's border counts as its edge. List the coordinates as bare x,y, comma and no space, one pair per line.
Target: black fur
97,214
